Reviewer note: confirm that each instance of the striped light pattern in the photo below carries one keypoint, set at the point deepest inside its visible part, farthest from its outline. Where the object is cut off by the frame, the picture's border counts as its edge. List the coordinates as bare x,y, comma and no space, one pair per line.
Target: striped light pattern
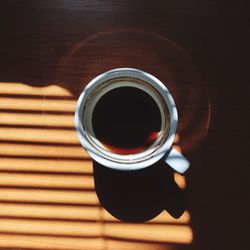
47,197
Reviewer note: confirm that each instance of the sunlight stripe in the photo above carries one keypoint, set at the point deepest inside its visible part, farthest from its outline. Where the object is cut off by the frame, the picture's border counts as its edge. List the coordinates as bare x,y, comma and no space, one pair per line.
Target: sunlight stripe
50,242
48,120
37,105
10,149
24,89
39,135
46,181
48,196
46,165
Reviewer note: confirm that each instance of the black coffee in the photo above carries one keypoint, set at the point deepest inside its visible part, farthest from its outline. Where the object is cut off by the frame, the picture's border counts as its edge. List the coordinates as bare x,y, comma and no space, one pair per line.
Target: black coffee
126,120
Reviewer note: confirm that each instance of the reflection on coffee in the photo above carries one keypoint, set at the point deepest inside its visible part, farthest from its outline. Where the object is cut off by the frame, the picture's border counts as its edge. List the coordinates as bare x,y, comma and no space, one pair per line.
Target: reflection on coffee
126,120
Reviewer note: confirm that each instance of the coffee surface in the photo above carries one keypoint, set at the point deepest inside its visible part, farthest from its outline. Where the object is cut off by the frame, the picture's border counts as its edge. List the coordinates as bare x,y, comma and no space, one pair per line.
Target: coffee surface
126,120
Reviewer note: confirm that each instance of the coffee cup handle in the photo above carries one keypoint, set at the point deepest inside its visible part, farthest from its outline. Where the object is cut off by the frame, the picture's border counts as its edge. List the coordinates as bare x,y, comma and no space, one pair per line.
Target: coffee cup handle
177,161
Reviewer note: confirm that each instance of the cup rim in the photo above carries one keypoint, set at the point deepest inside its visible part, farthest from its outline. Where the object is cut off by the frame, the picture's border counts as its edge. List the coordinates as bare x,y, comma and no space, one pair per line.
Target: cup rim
131,73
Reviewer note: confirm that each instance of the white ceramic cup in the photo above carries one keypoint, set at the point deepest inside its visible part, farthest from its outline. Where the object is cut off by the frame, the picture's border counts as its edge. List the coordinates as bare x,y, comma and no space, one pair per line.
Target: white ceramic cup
162,146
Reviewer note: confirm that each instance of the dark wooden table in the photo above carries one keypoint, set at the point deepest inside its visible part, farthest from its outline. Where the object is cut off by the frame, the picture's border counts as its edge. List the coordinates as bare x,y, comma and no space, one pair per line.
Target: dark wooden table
199,48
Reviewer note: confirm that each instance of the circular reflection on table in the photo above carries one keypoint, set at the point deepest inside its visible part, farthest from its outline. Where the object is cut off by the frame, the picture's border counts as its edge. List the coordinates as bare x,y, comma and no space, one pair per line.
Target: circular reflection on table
152,53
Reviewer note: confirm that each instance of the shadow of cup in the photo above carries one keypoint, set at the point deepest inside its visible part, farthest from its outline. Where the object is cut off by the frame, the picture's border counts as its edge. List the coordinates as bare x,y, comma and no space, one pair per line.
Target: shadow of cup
139,195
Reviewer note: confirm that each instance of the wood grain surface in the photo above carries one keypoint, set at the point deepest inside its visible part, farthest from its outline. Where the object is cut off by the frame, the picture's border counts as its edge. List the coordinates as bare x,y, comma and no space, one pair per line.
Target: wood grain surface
49,50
